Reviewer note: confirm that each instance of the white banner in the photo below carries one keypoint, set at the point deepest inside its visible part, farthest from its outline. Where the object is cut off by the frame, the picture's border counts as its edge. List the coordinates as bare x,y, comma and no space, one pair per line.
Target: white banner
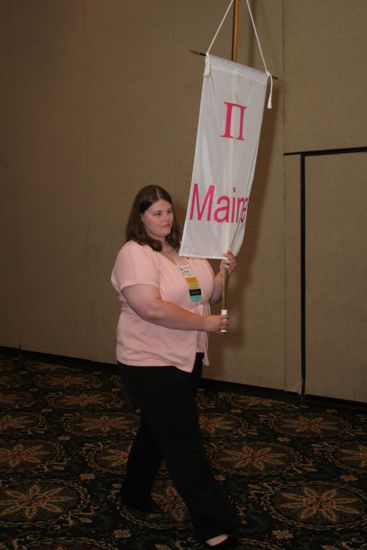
231,112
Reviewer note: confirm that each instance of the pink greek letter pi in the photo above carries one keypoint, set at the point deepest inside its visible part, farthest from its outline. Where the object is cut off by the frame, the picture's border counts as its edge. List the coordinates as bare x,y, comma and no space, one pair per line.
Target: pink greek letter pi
227,132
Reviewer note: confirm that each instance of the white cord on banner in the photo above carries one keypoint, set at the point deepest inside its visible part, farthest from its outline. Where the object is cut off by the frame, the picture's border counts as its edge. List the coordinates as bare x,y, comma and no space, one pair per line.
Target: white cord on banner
220,26
269,104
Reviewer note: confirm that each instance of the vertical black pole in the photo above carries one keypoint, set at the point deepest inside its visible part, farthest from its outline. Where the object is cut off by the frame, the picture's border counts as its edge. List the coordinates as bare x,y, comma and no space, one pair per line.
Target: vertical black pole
303,273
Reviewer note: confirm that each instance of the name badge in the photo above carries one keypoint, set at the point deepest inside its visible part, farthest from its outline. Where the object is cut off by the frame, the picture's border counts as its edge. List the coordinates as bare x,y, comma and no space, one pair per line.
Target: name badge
192,283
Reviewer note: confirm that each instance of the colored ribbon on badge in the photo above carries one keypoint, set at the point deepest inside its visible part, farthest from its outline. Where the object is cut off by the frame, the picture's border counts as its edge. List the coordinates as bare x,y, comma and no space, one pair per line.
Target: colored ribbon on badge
192,283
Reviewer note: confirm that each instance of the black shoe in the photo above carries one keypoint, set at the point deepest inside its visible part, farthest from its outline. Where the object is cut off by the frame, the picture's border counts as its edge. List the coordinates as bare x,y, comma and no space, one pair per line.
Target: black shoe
147,507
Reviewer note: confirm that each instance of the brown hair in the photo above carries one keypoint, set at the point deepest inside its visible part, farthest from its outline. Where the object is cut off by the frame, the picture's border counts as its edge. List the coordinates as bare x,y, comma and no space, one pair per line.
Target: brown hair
135,230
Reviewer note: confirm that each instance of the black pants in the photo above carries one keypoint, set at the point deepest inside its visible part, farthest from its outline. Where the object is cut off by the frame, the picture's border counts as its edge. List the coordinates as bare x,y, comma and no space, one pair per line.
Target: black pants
169,428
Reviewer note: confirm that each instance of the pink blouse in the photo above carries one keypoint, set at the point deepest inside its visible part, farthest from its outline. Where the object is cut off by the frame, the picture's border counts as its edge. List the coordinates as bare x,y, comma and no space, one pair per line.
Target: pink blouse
141,343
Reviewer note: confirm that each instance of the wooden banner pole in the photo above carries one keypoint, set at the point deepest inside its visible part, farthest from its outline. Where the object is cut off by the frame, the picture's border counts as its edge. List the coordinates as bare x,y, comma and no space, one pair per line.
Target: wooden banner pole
224,310
235,30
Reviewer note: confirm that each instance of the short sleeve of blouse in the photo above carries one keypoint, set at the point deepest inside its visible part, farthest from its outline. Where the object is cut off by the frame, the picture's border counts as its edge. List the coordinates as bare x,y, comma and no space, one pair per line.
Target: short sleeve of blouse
135,264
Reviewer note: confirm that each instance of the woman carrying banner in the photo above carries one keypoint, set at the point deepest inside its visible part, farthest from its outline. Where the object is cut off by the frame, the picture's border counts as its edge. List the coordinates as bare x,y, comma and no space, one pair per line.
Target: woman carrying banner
161,345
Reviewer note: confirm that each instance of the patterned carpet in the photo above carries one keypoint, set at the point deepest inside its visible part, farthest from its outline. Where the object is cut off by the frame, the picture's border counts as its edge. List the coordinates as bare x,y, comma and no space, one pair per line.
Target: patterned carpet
297,473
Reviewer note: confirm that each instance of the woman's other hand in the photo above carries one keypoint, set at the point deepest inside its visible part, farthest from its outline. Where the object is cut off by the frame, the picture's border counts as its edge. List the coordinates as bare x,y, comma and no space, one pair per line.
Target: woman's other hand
229,263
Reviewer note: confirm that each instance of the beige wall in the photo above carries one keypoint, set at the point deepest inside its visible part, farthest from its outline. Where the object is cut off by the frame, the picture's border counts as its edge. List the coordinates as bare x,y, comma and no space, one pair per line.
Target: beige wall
325,74
325,82
102,97
336,274
8,198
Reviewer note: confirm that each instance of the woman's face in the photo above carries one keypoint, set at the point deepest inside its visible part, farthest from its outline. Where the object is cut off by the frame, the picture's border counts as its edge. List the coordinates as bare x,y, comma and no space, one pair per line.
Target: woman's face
158,219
